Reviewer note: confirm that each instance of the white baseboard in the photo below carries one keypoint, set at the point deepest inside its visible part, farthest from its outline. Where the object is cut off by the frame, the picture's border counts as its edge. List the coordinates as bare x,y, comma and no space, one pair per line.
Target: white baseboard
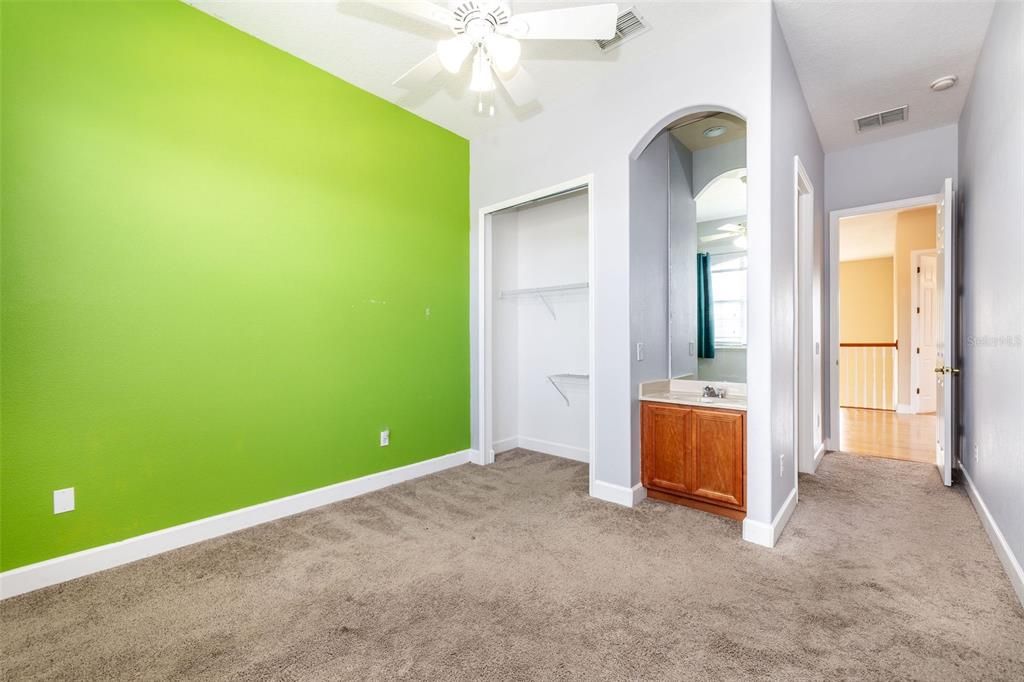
556,449
998,540
819,454
767,534
545,446
905,409
617,494
60,569
506,444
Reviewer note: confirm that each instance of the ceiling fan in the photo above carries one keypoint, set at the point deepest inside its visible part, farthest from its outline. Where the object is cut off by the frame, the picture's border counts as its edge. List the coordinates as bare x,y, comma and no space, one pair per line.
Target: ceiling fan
738,233
486,33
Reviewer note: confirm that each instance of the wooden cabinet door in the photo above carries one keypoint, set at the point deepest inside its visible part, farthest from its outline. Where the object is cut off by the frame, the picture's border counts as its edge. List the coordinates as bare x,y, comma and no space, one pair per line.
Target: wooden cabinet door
666,447
718,456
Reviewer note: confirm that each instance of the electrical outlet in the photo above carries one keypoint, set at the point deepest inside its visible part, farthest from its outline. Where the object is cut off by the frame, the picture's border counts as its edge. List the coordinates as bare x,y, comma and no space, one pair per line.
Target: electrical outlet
782,464
63,500
385,438
976,455
640,352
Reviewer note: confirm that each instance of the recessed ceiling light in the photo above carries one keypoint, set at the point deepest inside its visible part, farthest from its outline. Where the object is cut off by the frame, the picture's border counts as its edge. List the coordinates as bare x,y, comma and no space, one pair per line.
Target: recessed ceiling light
944,83
714,131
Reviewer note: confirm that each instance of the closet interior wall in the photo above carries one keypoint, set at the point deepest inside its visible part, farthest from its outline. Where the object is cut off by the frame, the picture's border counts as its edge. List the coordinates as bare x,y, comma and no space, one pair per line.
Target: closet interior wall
540,346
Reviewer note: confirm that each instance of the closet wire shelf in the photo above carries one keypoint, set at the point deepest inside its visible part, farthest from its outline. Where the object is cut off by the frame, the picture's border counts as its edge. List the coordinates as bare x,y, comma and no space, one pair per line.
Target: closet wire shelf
556,378
544,292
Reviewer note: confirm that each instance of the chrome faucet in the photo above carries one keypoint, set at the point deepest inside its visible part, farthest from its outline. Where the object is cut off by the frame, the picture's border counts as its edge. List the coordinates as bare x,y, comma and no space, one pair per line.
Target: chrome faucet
712,392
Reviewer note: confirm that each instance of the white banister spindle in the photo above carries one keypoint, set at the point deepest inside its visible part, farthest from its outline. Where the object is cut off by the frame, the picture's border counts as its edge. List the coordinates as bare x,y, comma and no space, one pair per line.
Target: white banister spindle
867,376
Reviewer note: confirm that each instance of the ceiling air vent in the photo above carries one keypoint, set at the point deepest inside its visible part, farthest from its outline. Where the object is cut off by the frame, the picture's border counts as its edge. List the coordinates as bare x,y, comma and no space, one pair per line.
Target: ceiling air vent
882,118
629,25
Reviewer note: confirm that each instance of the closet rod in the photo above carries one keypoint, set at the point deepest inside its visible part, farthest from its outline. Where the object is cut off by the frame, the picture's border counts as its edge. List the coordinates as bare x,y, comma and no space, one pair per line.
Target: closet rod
556,195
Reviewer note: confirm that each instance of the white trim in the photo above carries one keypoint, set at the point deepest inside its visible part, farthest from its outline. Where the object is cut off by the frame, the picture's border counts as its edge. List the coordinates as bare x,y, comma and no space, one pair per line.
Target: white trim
903,408
505,444
485,318
803,221
52,571
819,454
617,494
555,449
767,535
833,293
545,447
999,543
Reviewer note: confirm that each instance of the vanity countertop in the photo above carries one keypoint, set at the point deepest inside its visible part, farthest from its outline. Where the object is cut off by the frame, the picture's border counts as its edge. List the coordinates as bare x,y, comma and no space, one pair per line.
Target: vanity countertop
688,392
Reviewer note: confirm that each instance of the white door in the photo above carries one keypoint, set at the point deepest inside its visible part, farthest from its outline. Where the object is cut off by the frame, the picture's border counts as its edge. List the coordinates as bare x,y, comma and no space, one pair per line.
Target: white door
927,314
945,349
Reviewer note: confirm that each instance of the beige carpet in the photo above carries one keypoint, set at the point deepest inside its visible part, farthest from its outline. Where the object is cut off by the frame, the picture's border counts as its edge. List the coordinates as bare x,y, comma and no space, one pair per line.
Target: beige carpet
513,572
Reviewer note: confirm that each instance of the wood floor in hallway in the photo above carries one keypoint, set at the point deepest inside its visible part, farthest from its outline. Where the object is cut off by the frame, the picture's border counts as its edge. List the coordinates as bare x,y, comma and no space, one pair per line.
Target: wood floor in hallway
883,433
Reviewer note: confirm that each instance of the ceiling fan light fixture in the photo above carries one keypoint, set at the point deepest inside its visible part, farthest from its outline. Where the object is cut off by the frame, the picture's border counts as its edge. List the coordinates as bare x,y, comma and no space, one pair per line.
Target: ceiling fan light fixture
452,53
482,80
503,51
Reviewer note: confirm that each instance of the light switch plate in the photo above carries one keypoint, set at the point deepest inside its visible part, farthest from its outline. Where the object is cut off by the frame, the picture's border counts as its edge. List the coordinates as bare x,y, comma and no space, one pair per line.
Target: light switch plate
385,437
63,500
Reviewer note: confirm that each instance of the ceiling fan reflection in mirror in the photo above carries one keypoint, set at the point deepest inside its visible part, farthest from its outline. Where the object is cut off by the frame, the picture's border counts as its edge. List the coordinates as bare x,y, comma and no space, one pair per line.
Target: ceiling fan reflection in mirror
486,34
738,233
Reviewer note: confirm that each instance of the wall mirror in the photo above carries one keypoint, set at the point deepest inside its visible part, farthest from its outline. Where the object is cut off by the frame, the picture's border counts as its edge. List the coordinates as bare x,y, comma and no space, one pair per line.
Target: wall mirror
708,248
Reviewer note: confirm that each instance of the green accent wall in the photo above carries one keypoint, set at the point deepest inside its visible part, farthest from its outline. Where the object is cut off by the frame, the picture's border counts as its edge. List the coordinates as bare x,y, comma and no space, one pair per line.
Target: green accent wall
224,272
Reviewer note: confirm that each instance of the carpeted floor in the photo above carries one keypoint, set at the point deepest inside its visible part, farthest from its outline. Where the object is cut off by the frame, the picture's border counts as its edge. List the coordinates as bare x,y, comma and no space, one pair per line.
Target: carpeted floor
513,572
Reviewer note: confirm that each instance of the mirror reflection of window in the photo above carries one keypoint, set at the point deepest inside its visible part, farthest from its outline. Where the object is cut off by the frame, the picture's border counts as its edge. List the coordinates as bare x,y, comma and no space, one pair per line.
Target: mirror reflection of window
729,299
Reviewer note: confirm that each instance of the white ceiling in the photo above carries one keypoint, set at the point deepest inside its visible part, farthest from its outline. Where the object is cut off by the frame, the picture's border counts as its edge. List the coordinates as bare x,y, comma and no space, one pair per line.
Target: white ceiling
370,46
867,236
858,58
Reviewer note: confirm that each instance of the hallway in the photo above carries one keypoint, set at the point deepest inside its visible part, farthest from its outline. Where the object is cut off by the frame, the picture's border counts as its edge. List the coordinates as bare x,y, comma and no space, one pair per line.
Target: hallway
884,433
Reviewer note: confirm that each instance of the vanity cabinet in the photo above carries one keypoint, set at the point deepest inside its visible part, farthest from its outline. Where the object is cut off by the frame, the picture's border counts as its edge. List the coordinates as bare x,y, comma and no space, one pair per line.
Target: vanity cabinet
695,457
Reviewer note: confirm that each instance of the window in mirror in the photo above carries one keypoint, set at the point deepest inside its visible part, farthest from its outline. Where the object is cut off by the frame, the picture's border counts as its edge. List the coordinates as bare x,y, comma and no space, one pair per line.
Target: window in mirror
729,297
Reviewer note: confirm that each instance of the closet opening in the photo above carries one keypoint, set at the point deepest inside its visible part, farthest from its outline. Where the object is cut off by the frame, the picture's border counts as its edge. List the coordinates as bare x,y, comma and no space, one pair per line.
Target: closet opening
536,325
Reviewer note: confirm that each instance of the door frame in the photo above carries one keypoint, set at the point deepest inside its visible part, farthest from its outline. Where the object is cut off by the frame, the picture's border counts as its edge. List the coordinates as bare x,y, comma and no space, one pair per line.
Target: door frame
915,324
485,313
832,439
806,456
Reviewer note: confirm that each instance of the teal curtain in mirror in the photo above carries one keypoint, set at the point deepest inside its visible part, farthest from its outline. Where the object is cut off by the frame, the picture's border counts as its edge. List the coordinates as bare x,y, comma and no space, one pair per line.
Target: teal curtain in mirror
705,308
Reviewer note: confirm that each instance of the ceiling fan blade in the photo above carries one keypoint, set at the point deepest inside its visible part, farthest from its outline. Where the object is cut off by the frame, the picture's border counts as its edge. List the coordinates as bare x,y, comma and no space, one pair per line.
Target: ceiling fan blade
519,86
420,9
593,22
421,74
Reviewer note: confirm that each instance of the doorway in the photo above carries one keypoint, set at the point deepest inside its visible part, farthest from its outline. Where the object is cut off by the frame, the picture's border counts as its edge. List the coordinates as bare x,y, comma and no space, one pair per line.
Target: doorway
886,326
536,331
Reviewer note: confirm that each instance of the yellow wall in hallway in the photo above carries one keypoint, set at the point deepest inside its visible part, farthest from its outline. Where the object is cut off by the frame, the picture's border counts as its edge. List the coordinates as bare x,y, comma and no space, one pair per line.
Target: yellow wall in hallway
866,301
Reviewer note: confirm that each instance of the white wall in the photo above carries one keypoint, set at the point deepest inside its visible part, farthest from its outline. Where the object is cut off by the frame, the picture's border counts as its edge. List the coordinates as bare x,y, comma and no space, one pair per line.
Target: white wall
648,272
793,133
901,168
682,261
991,149
541,245
594,129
